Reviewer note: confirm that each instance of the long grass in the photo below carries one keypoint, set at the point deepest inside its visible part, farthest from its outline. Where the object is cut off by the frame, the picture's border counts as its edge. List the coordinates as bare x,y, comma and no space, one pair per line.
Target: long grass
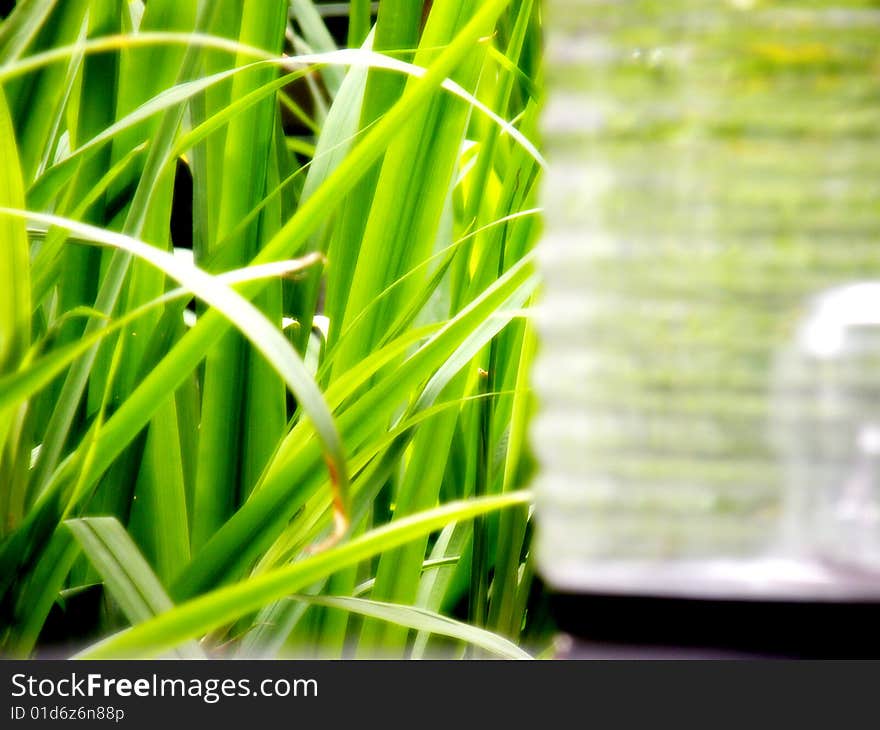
263,359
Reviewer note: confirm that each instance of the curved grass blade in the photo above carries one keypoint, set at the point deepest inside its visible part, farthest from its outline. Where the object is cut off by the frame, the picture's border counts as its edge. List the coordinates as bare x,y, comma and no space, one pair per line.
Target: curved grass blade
224,605
22,26
444,256
289,478
127,421
265,337
37,374
367,467
421,619
354,57
124,571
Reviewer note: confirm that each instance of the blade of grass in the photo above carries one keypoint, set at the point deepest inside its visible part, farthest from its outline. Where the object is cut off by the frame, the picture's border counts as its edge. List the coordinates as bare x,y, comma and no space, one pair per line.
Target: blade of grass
15,293
225,468
37,373
111,285
42,590
503,616
126,574
46,89
397,27
268,340
358,22
288,480
159,513
15,313
454,540
420,619
130,417
203,614
20,28
318,37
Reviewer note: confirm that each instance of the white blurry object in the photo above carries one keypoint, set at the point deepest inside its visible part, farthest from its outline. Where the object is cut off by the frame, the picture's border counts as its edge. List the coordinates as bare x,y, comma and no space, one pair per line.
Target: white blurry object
827,429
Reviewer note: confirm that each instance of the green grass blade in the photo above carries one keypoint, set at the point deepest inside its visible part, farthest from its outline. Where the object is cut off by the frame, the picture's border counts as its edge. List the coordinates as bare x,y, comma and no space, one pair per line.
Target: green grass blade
358,22
15,293
36,374
399,571
243,401
159,513
503,616
212,610
20,28
15,319
286,481
48,89
250,322
133,414
126,574
43,590
397,27
420,619
318,37
434,586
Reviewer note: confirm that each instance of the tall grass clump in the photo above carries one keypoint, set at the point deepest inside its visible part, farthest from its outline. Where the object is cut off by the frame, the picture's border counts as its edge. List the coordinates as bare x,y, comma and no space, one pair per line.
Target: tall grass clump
263,352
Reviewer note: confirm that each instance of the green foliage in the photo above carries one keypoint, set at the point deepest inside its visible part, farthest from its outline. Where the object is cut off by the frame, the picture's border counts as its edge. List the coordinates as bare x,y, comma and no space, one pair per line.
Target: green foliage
283,442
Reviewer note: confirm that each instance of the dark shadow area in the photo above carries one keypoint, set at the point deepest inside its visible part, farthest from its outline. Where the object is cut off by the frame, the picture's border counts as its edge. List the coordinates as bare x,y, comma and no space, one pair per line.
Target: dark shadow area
609,626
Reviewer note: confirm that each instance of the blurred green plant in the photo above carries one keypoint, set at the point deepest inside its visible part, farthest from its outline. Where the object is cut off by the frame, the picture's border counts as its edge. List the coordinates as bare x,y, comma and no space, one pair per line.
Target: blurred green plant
306,436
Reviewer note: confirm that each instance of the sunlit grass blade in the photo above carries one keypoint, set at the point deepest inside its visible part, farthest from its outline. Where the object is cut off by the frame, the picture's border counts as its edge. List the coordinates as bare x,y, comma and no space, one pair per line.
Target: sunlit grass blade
128,420
201,615
289,478
420,619
217,411
15,293
264,336
32,377
15,320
